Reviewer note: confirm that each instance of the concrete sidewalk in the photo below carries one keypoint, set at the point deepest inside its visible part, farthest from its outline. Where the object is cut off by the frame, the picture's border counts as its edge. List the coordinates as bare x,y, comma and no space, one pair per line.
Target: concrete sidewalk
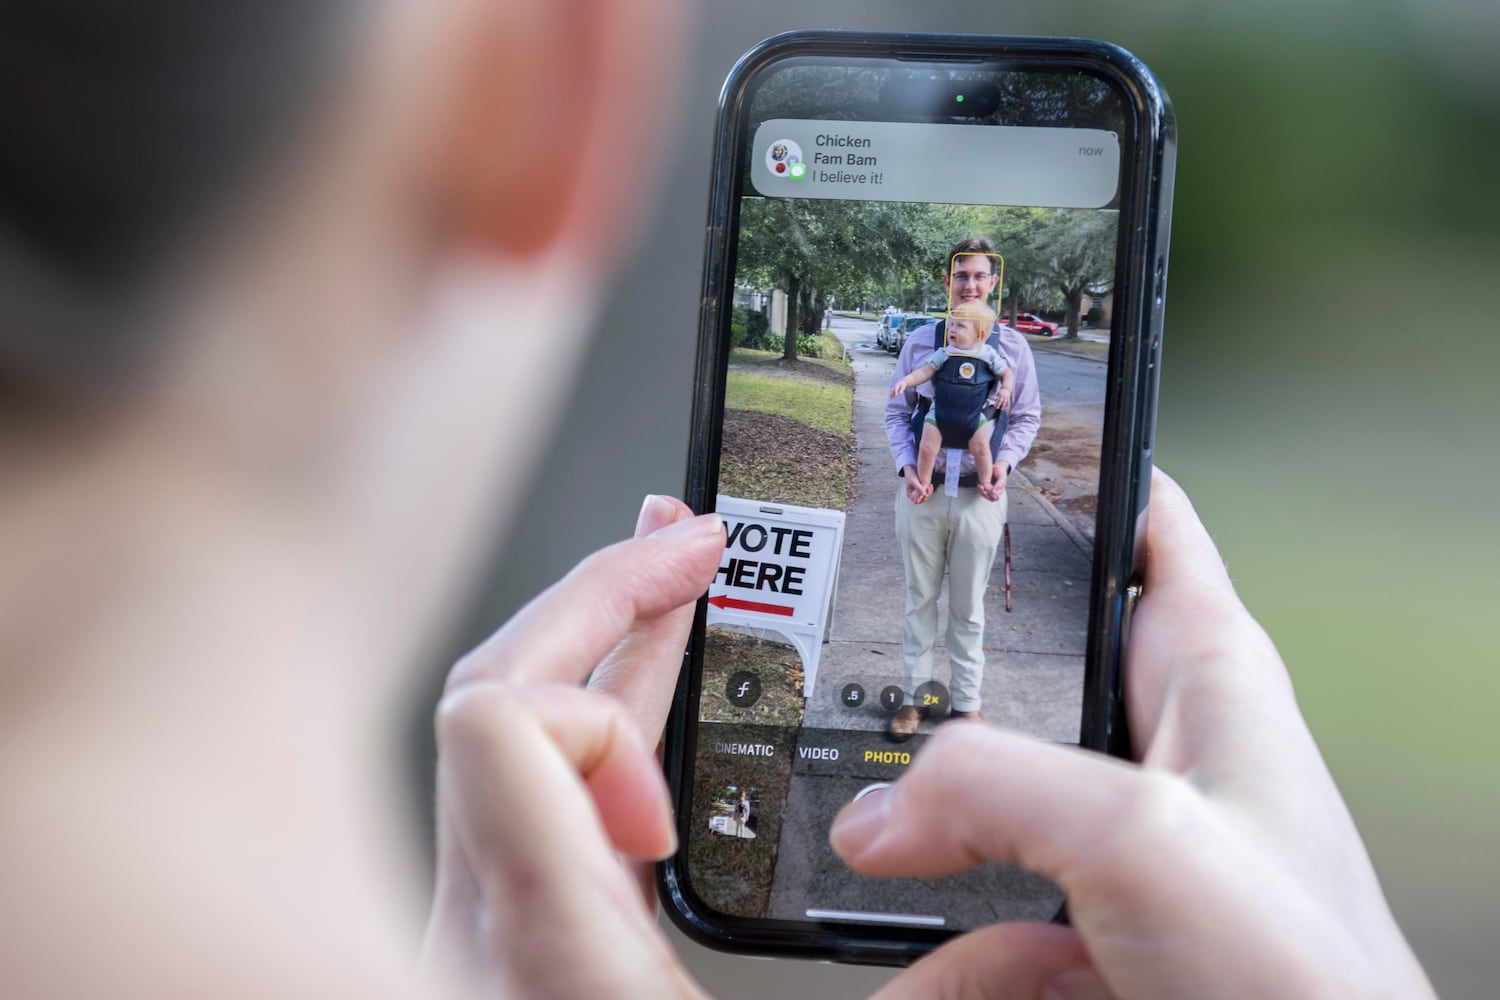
1033,679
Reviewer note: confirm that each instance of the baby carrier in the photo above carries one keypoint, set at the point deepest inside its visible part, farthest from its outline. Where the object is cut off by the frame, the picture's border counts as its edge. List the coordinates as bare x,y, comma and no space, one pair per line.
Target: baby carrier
1000,420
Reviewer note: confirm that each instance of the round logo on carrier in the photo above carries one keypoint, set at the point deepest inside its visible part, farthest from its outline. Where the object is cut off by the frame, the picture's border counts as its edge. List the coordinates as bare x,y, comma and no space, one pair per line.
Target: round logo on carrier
784,159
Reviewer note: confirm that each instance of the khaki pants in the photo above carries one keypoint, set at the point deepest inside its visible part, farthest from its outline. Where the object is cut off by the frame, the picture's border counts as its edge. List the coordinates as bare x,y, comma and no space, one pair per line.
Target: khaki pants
958,535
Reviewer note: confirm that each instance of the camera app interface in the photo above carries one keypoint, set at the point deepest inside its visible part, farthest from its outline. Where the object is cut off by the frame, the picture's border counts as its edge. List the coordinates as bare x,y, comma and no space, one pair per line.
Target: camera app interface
910,457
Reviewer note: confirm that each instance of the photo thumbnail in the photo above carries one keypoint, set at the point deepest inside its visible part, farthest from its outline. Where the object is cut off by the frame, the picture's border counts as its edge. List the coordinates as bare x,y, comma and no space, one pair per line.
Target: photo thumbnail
734,813
742,776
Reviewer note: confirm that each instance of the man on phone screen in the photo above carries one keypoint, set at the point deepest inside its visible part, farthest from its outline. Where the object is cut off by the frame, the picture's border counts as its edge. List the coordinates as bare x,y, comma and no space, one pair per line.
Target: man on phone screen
953,532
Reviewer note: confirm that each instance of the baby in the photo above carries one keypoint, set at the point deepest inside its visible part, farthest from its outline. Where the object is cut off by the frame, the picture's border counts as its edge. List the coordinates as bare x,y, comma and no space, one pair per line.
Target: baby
963,376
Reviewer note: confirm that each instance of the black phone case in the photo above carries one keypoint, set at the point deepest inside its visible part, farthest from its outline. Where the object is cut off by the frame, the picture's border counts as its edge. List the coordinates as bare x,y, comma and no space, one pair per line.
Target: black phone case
1148,158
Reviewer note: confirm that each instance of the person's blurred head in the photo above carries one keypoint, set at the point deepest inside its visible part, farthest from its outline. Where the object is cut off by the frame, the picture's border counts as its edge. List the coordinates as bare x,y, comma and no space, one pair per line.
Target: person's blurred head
294,243
265,271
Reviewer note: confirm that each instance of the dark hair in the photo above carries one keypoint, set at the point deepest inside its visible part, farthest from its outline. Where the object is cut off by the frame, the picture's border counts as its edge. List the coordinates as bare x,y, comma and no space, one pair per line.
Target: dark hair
126,124
969,247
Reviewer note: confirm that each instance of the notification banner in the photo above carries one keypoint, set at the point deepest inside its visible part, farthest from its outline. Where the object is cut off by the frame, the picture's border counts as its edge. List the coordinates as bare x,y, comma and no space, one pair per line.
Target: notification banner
944,164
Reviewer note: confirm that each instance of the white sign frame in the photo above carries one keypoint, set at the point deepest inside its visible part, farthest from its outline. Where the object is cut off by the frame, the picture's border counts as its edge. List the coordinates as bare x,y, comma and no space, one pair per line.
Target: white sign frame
805,620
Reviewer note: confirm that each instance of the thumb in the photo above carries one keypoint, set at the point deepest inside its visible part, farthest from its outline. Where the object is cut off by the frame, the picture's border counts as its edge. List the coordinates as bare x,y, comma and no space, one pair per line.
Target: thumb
563,635
641,671
1124,844
998,963
976,793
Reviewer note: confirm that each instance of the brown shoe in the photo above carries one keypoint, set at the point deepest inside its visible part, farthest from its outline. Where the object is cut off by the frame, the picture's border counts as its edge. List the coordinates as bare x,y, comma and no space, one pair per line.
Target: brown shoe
903,725
967,715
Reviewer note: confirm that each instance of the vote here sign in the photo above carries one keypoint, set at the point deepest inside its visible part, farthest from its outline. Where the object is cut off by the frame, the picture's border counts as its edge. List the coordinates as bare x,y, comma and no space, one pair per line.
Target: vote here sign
779,572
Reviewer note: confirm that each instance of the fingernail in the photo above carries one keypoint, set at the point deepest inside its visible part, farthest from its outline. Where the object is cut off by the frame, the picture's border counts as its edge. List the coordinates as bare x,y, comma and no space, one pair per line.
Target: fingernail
668,824
694,527
669,845
656,512
1077,984
859,825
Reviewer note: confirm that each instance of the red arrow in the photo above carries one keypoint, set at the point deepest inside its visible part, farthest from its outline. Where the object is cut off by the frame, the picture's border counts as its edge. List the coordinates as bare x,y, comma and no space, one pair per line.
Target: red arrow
724,601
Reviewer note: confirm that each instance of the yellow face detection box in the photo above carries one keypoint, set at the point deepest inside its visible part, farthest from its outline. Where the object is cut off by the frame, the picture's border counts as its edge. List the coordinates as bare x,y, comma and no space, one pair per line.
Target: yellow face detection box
963,278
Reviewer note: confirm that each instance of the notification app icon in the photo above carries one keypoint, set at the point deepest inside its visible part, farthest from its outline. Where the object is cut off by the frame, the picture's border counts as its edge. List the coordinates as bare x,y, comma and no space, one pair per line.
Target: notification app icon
784,159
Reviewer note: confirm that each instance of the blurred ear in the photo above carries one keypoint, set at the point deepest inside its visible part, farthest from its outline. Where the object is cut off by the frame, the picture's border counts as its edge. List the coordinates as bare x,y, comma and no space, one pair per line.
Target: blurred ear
556,114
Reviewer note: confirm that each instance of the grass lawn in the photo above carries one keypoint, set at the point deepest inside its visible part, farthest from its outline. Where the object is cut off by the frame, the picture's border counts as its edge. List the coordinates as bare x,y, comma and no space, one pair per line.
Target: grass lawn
825,405
776,459
787,431
830,346
780,670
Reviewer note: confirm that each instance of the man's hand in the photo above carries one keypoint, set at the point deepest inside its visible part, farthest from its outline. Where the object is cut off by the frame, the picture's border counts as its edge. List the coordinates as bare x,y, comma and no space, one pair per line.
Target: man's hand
992,490
1224,864
915,491
549,795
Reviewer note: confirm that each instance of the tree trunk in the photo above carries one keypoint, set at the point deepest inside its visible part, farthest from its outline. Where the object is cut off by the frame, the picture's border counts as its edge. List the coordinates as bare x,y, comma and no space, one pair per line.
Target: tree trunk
789,335
1075,306
809,325
818,311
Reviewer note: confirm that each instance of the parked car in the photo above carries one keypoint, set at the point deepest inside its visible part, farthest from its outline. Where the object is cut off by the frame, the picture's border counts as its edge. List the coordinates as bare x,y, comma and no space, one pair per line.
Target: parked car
1029,323
885,331
908,324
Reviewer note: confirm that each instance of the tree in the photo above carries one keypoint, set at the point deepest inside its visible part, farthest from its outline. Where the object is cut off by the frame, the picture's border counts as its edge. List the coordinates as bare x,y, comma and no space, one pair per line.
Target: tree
1014,232
771,256
812,249
1075,250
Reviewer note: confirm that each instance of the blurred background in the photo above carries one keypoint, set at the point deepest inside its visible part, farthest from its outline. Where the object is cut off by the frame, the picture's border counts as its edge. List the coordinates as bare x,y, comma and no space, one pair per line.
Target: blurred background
1327,397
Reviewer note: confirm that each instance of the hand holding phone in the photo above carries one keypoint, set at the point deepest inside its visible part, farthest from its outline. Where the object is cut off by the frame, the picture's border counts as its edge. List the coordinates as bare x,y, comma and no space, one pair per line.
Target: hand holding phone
549,795
1294,909
1225,864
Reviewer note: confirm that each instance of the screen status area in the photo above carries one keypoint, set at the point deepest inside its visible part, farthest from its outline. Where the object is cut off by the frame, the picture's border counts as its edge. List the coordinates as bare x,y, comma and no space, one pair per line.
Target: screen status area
908,474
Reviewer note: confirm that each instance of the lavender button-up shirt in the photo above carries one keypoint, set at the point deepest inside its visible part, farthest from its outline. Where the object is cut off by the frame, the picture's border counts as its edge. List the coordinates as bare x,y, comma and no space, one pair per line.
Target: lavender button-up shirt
1025,402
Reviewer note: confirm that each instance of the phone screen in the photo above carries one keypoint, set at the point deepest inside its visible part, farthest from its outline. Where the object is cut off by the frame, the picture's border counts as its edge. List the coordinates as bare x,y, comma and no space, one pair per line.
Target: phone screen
887,212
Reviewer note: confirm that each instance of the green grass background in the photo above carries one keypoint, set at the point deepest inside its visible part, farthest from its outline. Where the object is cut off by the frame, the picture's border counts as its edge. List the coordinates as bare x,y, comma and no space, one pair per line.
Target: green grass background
826,405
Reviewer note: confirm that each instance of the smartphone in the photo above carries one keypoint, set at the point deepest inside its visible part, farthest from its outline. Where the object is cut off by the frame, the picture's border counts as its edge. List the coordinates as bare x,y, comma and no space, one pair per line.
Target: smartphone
926,381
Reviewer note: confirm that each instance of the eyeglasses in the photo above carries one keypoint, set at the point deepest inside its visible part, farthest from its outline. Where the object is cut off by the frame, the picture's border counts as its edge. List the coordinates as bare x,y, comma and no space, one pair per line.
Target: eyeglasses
965,278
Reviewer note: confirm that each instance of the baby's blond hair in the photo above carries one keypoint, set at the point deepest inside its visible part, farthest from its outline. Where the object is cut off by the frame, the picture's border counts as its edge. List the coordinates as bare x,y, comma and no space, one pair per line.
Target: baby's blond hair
981,315
972,312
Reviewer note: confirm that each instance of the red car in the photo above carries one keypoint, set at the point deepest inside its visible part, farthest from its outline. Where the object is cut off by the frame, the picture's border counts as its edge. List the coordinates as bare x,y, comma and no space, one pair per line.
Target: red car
1029,323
